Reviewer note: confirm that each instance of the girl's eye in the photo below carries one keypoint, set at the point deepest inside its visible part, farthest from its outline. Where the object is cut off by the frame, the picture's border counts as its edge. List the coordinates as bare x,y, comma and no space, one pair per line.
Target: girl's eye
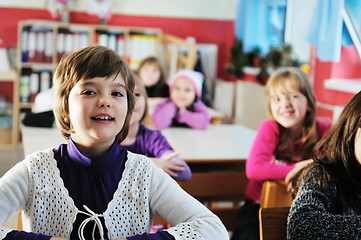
275,99
137,94
117,94
88,92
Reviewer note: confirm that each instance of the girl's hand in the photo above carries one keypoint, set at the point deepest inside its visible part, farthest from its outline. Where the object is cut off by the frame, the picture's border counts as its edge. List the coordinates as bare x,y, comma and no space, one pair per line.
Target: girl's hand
297,167
169,166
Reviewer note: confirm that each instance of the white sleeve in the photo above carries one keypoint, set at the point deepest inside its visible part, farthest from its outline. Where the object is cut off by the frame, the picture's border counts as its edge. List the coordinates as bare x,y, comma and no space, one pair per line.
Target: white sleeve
187,216
13,194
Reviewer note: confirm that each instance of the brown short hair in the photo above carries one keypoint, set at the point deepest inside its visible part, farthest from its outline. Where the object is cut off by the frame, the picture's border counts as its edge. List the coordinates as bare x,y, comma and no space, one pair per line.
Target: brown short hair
87,63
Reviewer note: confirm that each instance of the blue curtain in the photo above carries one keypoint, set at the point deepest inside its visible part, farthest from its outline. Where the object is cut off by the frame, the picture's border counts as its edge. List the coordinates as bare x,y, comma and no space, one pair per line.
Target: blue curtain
260,24
328,31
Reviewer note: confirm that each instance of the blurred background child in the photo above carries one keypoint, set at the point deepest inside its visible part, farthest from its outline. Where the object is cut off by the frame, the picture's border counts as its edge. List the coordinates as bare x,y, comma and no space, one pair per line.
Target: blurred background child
152,143
328,196
283,144
184,107
151,73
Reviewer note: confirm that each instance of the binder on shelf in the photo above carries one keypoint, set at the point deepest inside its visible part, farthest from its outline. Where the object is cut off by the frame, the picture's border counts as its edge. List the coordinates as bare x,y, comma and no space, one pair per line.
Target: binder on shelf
32,46
25,86
34,85
49,45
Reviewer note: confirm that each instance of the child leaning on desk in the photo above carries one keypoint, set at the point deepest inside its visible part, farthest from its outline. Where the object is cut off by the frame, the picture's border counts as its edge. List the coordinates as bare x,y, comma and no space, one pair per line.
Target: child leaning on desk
283,144
328,200
152,143
184,107
91,188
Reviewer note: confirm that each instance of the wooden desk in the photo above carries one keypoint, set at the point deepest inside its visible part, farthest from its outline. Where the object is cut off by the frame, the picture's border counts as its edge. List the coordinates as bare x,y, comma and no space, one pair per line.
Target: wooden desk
216,157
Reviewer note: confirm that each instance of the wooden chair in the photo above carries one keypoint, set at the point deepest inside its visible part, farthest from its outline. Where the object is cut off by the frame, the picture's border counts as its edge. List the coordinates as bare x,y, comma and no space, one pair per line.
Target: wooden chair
273,223
274,194
212,189
183,56
20,222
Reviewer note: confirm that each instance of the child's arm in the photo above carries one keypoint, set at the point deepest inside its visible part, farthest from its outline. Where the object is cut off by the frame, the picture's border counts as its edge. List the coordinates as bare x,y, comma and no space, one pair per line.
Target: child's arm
312,215
164,113
165,157
199,119
14,191
175,166
187,216
261,163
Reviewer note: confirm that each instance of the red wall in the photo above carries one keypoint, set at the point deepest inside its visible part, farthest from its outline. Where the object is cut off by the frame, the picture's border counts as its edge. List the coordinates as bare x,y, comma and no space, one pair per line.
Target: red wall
348,67
220,32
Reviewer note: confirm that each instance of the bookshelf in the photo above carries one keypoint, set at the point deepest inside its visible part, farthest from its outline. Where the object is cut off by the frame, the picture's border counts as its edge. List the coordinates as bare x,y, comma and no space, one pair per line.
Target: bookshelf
42,44
8,111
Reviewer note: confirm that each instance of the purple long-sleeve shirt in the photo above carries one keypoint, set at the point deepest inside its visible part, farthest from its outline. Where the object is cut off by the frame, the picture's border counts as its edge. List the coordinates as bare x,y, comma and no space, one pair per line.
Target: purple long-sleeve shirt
91,182
152,143
166,113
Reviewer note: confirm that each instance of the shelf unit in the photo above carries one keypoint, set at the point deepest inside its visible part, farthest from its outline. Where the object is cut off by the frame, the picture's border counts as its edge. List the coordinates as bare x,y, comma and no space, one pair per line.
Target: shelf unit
9,135
41,45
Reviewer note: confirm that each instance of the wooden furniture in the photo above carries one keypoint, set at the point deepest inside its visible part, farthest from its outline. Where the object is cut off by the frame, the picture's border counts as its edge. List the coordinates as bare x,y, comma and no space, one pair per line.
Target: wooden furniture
9,134
20,221
273,223
275,194
42,44
180,53
216,157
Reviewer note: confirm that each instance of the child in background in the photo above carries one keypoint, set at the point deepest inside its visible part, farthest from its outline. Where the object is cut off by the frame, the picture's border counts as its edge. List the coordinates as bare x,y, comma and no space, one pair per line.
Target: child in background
184,107
283,144
152,143
328,200
91,179
151,73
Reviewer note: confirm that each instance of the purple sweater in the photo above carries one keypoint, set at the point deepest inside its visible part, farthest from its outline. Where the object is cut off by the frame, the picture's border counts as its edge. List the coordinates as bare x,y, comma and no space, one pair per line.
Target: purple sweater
166,113
91,182
262,164
152,143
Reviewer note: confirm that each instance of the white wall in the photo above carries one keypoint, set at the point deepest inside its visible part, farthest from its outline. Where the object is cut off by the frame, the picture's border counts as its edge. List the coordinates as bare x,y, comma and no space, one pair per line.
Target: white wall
204,9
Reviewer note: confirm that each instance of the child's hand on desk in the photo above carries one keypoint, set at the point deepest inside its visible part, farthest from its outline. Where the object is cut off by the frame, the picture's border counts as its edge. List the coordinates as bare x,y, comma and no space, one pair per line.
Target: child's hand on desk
169,166
297,167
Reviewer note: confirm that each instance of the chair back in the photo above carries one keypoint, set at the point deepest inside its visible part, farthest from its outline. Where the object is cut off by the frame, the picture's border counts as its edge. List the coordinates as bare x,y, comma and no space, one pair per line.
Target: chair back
217,188
273,223
275,194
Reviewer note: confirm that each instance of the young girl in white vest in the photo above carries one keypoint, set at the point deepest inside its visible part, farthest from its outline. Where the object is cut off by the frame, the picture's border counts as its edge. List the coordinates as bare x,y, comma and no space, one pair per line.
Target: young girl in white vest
91,188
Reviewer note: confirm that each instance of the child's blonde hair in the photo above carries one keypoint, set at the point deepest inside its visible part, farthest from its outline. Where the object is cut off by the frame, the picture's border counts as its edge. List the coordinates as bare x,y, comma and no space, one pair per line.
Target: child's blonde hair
298,80
87,63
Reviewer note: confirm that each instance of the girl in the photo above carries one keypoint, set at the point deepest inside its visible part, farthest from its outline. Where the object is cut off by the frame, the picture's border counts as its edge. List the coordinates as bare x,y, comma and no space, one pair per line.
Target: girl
152,143
183,108
328,200
283,144
150,71
91,188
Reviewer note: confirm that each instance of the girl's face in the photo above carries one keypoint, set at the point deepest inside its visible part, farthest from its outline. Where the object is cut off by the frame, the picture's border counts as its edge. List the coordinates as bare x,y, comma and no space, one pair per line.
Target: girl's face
150,74
358,145
183,93
97,111
289,107
139,106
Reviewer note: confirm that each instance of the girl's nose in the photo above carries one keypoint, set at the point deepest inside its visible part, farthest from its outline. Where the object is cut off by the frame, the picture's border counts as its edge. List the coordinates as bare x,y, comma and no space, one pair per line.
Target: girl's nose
103,102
